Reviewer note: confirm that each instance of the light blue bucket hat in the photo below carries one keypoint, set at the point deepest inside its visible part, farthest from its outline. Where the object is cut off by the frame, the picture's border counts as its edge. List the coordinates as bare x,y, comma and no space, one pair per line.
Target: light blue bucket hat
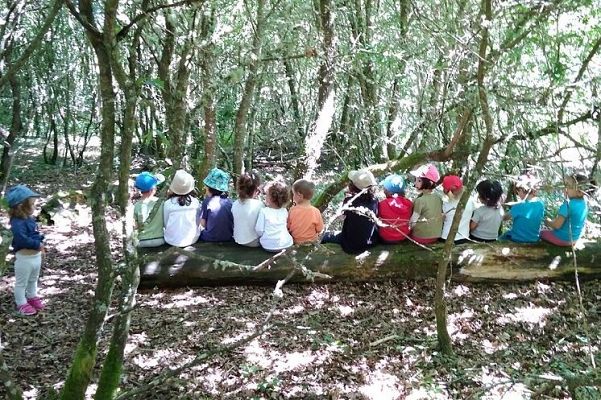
394,184
218,179
18,194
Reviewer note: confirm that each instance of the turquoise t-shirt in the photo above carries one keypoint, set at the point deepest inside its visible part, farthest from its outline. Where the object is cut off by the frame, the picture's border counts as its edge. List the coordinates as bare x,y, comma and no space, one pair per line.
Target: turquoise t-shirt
574,212
527,217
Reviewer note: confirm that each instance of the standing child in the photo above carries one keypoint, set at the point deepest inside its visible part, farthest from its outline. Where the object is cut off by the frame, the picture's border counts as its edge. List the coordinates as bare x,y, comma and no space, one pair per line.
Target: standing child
527,214
246,209
394,211
150,232
426,220
304,221
28,247
181,211
216,217
452,186
359,230
487,219
567,227
272,221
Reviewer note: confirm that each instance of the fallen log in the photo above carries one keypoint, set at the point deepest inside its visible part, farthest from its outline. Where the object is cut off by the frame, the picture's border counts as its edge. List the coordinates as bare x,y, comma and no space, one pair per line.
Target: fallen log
220,264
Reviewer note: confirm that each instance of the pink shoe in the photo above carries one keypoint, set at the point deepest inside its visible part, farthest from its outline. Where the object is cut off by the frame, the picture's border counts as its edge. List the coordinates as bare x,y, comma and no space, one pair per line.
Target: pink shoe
36,303
26,309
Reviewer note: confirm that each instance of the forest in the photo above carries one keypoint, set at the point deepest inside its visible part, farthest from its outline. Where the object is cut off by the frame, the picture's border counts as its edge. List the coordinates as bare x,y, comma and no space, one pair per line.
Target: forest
94,92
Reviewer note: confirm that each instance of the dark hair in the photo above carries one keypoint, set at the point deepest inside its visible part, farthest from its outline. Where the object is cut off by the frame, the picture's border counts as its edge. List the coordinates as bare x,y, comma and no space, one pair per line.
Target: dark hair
215,192
304,187
247,184
490,192
427,184
183,199
22,210
582,183
278,193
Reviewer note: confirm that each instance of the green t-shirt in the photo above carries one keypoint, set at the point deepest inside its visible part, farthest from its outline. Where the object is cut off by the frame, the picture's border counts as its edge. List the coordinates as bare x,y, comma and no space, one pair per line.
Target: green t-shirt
148,229
429,208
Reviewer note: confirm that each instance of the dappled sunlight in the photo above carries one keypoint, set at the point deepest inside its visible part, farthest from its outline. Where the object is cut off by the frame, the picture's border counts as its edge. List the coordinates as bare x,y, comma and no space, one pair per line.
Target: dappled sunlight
531,315
296,309
318,297
240,336
152,358
381,386
183,300
499,385
136,340
283,361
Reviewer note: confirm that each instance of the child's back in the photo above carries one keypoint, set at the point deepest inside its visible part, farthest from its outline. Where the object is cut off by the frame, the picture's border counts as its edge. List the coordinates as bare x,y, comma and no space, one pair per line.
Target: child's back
150,232
181,211
272,221
216,210
304,221
394,211
426,219
453,188
487,219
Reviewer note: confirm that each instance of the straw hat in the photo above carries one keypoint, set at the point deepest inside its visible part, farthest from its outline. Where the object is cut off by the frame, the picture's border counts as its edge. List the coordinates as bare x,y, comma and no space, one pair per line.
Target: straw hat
183,183
362,178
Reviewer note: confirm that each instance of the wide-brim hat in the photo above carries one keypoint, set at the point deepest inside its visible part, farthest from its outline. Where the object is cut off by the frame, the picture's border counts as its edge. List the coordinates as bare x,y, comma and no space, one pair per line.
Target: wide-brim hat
18,194
427,171
146,181
362,178
182,183
394,183
218,179
527,182
451,182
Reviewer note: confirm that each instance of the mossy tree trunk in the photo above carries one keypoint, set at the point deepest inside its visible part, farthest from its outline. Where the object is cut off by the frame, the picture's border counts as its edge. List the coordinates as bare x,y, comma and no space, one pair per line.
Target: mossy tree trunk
102,42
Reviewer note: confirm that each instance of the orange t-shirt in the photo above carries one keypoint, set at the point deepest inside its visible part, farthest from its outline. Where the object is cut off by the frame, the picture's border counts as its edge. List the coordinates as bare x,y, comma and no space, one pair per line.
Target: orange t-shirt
304,223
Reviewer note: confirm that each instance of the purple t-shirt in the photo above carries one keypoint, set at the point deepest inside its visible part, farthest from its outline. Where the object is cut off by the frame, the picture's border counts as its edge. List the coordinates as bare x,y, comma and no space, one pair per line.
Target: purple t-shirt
217,211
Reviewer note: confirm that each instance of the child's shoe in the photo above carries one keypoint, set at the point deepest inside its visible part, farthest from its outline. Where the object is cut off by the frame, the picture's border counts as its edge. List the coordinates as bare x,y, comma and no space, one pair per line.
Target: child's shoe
26,309
36,303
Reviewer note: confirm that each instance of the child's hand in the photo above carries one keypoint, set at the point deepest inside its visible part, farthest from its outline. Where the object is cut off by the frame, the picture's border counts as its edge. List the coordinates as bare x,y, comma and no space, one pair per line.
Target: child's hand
444,216
42,248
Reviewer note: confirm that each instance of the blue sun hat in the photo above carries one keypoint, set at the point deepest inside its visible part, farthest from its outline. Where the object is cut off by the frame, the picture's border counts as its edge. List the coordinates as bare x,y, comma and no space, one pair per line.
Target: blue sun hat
18,194
217,179
147,181
394,184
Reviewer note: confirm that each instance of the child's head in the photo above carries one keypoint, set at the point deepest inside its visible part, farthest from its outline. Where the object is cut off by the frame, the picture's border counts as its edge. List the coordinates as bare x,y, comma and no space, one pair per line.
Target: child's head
526,185
427,177
147,182
394,184
362,179
490,192
452,185
21,201
277,194
303,190
182,183
577,185
217,182
247,185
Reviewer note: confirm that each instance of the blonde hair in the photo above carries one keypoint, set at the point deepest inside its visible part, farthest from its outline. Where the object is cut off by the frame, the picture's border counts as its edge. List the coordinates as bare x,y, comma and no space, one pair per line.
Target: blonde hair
23,210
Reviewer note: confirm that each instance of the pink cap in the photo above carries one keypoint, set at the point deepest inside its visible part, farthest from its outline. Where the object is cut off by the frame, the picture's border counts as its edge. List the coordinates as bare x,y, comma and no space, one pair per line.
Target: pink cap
427,171
451,182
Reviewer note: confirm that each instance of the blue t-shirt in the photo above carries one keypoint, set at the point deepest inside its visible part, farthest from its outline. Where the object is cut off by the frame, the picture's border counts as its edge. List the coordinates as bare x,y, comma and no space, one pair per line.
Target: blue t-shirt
217,212
25,234
527,217
574,212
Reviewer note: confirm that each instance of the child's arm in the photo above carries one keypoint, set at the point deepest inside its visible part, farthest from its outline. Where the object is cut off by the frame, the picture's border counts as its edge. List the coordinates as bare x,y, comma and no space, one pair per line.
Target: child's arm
555,223
319,225
260,225
25,236
204,214
473,225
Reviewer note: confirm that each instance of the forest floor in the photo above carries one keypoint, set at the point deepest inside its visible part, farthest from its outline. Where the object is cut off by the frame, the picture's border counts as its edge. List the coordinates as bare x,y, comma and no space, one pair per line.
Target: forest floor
359,341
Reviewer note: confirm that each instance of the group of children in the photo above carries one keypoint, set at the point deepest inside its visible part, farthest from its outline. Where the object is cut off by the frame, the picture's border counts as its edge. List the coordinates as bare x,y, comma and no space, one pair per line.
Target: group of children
182,219
248,221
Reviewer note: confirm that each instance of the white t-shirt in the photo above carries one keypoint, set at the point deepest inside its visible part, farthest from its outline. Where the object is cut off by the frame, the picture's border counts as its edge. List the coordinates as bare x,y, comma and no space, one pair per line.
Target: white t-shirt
245,218
181,222
489,221
448,209
272,228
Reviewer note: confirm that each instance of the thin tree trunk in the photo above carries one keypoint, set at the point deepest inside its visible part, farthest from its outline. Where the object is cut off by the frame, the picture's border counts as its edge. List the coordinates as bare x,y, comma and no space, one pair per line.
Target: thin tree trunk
240,128
293,97
16,127
84,360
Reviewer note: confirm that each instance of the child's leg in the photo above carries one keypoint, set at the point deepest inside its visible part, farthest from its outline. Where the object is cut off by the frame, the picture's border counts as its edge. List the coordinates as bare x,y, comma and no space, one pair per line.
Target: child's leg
31,291
23,271
549,236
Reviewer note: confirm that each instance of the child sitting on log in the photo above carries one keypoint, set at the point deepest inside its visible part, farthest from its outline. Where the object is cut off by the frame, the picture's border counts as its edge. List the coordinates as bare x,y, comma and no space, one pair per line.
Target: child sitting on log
181,211
526,214
246,209
304,221
28,245
394,211
272,221
360,207
452,186
567,226
216,219
426,220
150,232
487,219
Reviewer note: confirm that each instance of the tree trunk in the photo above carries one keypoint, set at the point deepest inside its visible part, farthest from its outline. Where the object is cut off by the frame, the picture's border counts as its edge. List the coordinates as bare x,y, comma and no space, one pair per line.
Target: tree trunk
84,360
212,264
16,126
240,129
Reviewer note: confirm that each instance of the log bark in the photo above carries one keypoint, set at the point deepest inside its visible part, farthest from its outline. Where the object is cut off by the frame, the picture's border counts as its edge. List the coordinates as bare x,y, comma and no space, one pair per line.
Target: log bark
222,264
